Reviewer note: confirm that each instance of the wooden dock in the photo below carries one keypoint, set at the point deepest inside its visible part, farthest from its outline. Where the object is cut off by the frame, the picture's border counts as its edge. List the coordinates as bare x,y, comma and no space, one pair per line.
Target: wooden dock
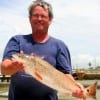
86,75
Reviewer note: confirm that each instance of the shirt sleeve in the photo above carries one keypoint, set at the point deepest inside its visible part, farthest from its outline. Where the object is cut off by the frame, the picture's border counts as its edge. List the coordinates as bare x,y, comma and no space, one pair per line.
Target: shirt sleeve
11,48
64,59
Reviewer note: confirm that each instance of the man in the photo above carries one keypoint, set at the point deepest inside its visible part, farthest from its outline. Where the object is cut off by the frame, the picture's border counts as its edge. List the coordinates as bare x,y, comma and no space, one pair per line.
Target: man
23,86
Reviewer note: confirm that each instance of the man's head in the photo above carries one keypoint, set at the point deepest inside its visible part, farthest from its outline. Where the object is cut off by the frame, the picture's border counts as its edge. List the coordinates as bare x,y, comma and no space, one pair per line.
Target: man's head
44,5
40,15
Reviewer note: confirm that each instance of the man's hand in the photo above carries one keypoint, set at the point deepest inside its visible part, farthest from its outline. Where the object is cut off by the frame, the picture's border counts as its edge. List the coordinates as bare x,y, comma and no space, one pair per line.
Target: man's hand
9,67
80,93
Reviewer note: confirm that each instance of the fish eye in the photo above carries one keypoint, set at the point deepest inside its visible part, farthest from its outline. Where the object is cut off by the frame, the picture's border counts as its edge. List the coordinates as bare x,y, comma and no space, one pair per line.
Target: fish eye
87,90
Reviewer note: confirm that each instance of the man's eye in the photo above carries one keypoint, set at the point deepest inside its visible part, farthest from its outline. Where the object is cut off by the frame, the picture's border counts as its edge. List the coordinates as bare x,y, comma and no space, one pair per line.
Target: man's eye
37,16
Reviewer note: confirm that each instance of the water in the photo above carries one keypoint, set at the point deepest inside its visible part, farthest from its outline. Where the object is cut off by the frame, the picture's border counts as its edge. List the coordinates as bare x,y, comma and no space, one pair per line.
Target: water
3,98
85,82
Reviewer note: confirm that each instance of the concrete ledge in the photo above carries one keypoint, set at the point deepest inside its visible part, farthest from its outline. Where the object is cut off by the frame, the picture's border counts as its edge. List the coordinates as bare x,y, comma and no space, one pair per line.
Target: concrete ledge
4,94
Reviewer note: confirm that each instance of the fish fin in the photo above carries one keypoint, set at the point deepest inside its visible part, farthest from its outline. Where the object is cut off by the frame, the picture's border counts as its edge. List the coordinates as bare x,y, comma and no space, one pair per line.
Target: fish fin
91,90
38,75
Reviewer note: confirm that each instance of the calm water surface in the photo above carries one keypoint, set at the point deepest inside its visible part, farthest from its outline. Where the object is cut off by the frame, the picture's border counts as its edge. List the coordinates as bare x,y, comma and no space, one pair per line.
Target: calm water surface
84,82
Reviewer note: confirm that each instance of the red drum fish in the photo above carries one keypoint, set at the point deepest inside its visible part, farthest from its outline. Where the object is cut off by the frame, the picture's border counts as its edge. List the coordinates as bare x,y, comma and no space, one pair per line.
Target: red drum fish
45,73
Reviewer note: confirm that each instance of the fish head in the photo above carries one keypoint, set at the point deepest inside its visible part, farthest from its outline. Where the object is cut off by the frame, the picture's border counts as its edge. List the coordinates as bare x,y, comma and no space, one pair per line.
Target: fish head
91,90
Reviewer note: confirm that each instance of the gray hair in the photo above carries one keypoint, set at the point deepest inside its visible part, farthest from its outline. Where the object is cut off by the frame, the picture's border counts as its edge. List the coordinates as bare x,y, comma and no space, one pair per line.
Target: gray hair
43,4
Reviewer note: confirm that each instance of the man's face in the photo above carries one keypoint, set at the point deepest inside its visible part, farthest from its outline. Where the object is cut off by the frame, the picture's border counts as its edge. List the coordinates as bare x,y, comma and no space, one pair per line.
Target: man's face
40,20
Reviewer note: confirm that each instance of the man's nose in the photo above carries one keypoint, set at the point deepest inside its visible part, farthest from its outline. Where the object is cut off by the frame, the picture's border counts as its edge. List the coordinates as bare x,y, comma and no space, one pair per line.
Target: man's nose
39,17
